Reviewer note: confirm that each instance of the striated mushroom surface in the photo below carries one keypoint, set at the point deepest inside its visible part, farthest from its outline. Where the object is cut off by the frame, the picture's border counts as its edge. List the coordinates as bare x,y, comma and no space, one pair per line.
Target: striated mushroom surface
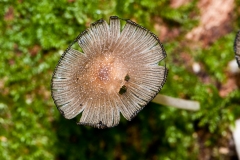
237,48
118,72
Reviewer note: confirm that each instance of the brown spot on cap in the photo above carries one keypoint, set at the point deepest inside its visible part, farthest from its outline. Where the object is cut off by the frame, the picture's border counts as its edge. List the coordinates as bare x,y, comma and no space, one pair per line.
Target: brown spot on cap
123,89
127,78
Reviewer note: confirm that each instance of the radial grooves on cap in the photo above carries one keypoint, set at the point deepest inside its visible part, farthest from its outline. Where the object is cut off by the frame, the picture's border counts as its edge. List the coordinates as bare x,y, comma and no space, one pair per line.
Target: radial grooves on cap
160,44
63,91
111,54
114,30
237,48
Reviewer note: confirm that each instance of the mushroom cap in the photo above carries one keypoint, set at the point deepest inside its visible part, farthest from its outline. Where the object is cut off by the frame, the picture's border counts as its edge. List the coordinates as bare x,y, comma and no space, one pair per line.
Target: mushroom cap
118,71
237,48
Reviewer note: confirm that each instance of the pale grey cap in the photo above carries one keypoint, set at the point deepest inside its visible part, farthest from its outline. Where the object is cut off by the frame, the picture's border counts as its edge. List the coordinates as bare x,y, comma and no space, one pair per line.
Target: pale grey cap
118,72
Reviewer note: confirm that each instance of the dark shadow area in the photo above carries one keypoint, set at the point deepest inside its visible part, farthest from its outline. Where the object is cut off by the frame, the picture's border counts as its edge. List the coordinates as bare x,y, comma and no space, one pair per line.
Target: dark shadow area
144,137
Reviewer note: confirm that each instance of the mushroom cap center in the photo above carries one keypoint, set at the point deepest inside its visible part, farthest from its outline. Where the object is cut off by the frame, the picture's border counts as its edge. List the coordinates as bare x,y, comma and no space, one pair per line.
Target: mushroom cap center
103,73
106,74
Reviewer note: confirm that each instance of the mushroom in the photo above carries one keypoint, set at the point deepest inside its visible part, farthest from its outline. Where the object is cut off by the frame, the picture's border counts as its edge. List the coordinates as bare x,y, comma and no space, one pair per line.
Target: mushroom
118,72
176,102
237,48
236,128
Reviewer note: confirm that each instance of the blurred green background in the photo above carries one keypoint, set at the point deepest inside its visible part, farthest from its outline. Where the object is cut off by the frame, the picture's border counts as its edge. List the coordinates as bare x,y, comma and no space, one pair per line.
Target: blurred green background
34,34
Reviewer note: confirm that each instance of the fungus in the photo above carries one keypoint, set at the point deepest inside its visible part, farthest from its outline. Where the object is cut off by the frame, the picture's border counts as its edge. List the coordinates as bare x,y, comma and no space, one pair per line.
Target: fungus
237,48
177,102
118,72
